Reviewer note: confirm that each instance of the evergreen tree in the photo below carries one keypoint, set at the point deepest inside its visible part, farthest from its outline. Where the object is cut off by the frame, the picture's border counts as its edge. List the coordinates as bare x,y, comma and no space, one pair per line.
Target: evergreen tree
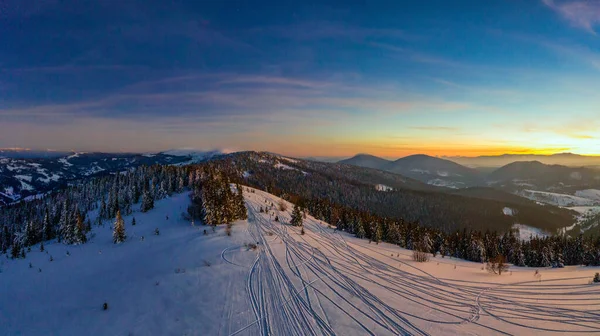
378,233
119,229
80,229
67,227
360,231
147,202
296,219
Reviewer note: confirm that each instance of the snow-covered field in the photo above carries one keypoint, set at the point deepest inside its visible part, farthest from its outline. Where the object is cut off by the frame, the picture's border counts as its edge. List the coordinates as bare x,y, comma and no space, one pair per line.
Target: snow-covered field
383,187
593,194
321,283
563,200
526,232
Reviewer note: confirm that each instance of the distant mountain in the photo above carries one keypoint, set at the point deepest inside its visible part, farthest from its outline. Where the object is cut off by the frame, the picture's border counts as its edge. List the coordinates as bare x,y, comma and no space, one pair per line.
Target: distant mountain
22,177
436,171
17,153
367,161
565,159
195,156
424,168
391,195
538,176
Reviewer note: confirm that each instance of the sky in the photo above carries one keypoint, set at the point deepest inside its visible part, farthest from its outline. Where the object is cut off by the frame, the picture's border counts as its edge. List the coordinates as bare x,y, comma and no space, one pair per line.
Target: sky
302,78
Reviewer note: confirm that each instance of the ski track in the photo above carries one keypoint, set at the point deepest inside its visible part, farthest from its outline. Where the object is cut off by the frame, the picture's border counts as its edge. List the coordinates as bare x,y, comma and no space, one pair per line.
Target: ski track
298,284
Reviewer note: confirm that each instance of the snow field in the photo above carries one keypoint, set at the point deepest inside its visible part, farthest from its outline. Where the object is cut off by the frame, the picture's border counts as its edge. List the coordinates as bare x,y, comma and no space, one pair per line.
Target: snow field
325,282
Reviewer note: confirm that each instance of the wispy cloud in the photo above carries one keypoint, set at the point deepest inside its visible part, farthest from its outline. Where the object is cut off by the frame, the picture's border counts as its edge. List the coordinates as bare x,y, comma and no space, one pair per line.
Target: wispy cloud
580,13
435,128
420,57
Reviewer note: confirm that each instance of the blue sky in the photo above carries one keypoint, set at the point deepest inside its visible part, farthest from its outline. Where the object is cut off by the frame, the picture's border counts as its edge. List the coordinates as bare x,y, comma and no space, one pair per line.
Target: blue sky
302,78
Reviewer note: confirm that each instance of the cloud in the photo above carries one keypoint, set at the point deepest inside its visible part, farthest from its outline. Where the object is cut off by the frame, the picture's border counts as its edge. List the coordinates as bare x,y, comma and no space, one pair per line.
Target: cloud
420,57
435,128
581,14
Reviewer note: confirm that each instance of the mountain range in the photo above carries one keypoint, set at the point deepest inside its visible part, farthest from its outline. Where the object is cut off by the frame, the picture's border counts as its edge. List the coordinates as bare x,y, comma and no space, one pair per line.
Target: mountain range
26,174
515,175
565,159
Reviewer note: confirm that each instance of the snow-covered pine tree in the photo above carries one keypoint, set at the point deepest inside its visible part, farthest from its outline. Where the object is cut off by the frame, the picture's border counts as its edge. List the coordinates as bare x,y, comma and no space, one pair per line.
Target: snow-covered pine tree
296,219
47,231
147,202
80,229
378,233
426,243
119,229
240,204
66,224
360,230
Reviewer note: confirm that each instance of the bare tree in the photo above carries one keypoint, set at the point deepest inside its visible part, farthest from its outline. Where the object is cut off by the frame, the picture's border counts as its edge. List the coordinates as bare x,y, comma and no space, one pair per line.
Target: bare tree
497,265
419,253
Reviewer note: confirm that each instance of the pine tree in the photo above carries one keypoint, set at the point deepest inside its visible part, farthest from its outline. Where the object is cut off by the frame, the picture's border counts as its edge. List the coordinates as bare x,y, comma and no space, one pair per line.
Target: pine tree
296,219
360,231
119,229
378,233
80,229
67,227
147,202
133,221
47,232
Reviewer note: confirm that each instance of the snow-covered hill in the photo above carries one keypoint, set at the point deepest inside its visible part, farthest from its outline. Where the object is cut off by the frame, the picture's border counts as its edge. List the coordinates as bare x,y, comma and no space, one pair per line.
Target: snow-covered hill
563,200
21,177
322,283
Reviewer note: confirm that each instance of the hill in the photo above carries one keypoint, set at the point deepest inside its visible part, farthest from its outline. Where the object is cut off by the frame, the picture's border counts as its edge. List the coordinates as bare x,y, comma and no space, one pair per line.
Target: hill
539,176
29,174
367,161
565,159
409,199
436,171
424,168
324,282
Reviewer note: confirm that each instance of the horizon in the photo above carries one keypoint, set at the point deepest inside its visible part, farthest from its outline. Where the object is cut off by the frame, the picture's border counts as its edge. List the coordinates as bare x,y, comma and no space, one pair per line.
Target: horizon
318,157
308,79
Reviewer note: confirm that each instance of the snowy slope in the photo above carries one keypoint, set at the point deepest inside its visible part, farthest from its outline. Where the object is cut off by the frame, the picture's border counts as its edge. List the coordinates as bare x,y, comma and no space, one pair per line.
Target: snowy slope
563,200
321,283
31,176
593,194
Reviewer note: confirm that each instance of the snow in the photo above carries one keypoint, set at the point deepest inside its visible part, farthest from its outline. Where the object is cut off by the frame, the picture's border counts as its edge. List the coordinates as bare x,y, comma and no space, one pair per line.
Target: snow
94,169
323,282
48,177
563,200
593,194
23,177
26,186
246,174
383,187
587,210
65,162
9,191
280,165
508,211
445,183
575,176
525,231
